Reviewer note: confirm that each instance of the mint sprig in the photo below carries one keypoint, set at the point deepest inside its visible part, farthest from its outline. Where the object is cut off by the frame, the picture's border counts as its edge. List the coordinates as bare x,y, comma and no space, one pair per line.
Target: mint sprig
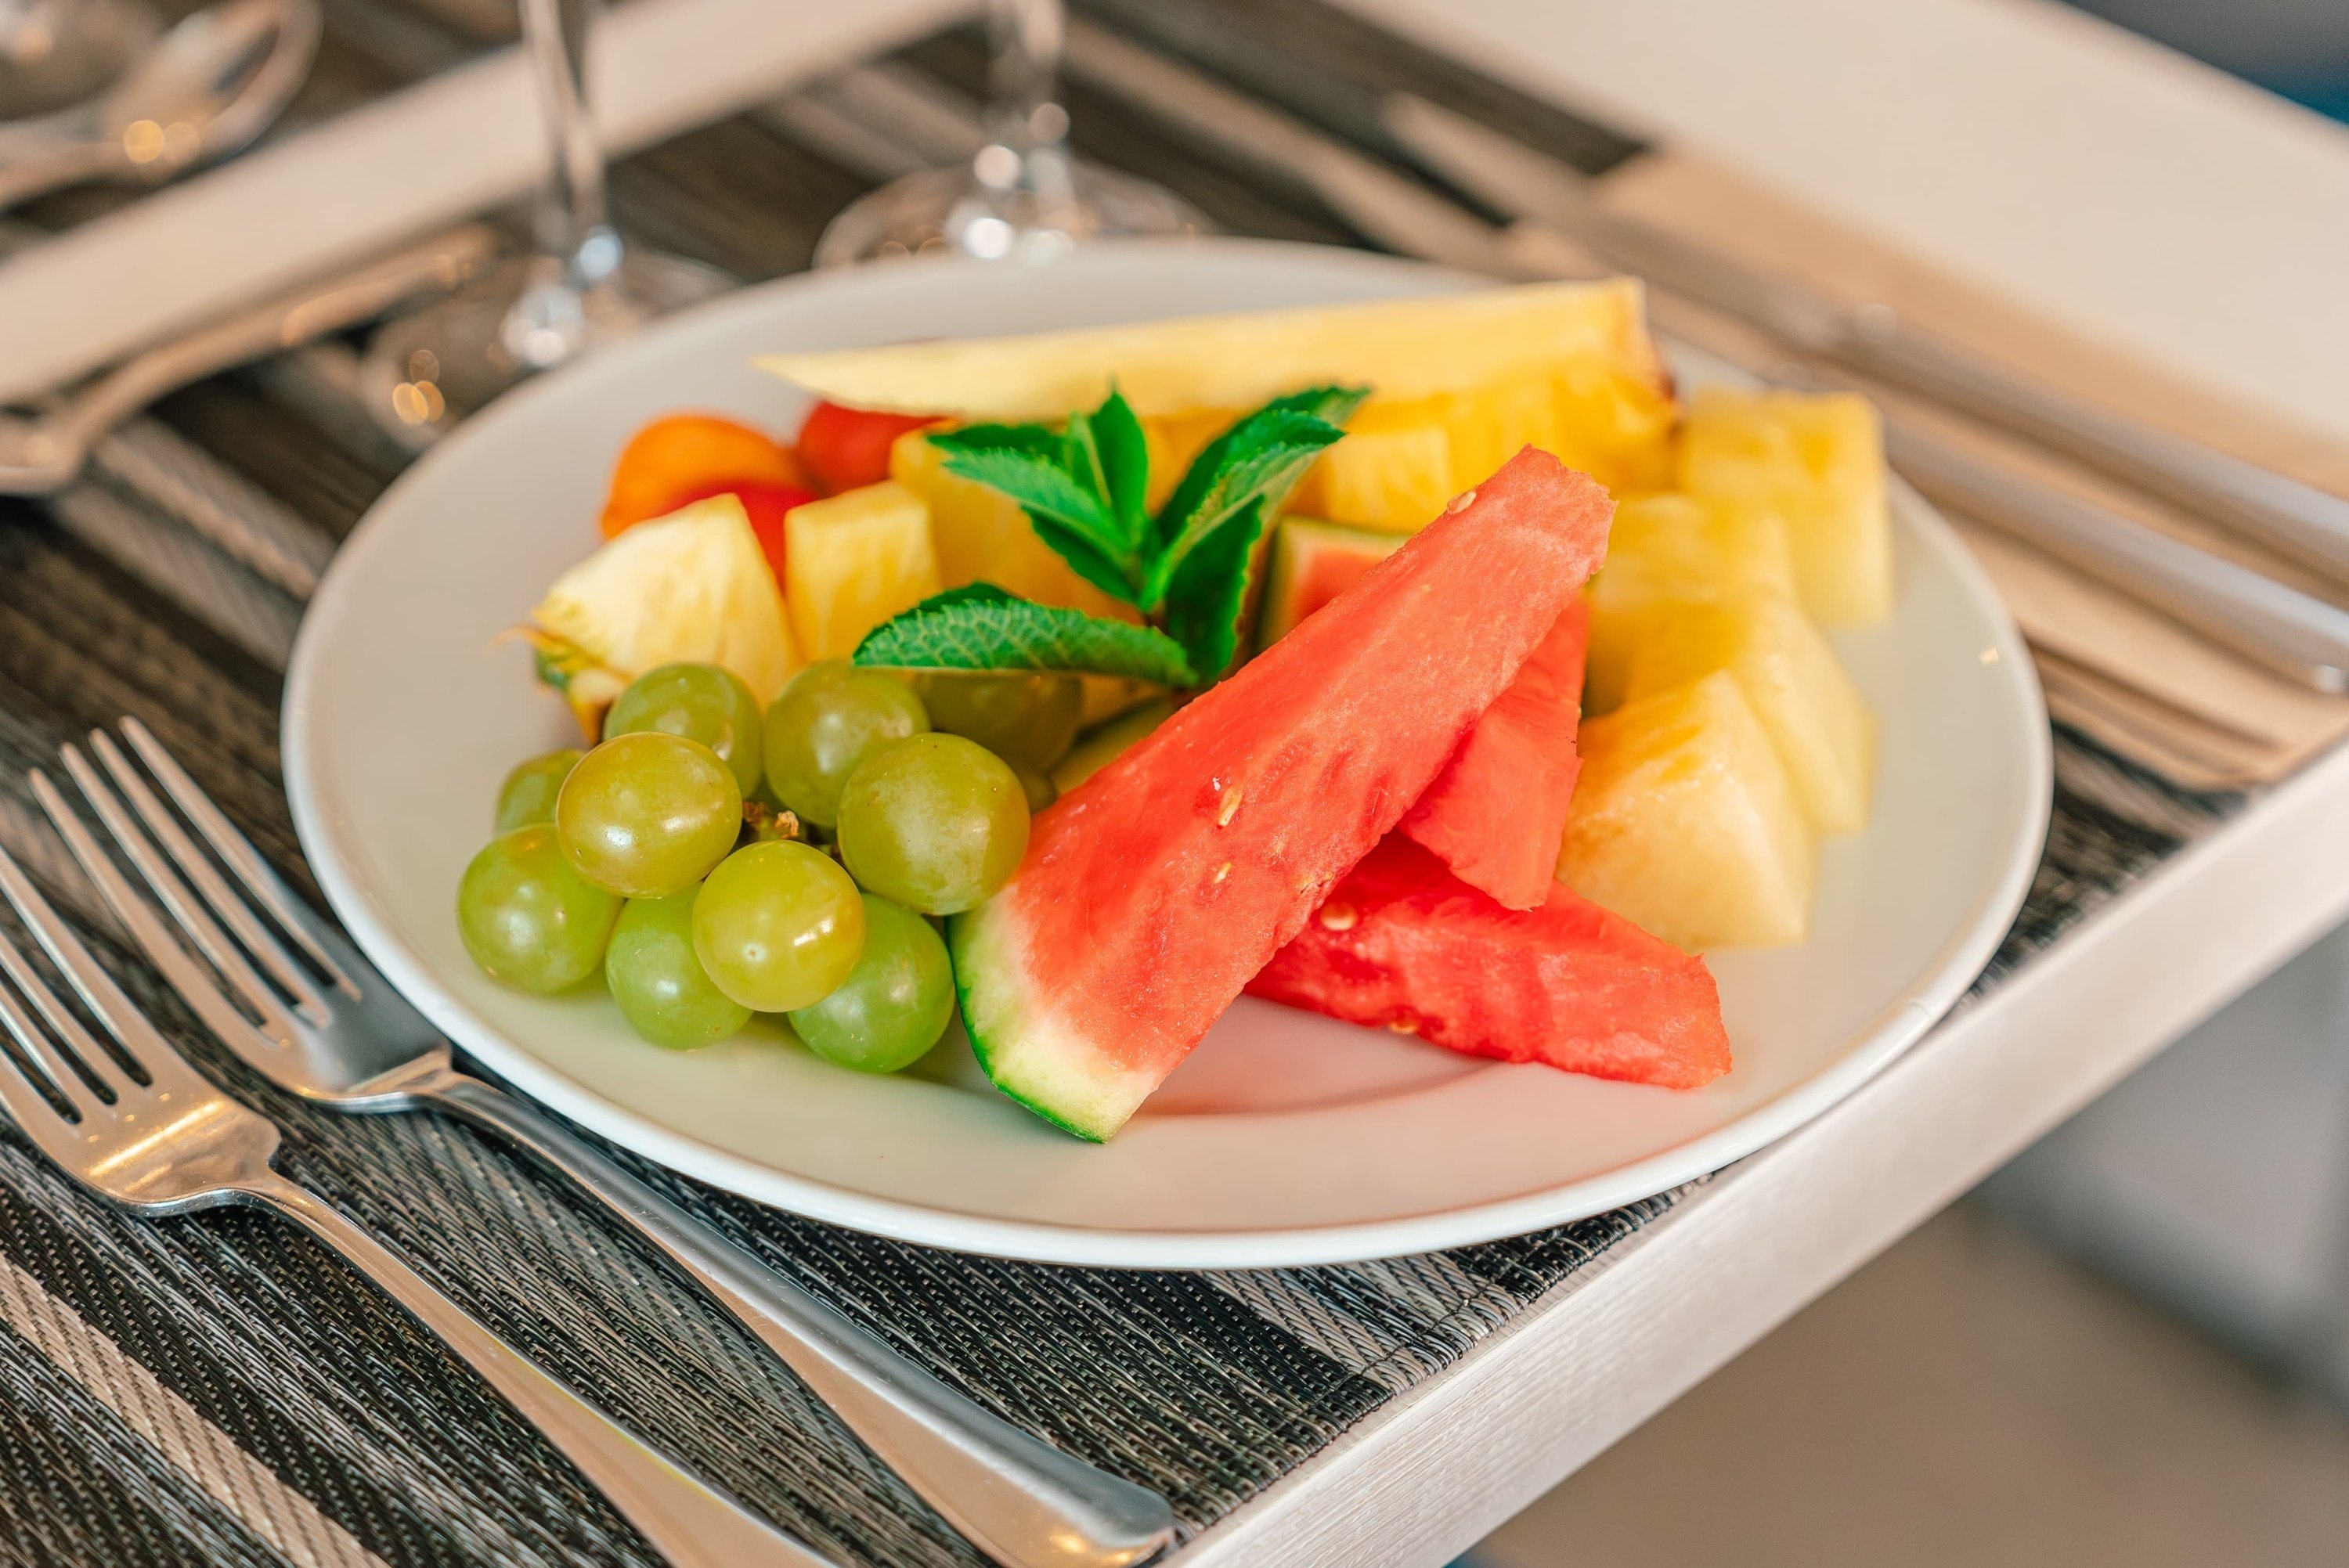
982,628
1187,567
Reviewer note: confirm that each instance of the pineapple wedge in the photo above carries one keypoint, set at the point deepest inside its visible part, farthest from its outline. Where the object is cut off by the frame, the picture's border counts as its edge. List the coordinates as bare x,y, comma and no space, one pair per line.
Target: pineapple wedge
1684,822
981,535
1819,462
1825,733
691,587
1393,472
1174,440
1403,349
1666,550
853,560
1614,424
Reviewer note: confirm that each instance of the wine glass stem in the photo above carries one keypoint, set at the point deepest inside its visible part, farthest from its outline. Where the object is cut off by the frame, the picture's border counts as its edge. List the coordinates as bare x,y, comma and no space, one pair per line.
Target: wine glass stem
1026,37
573,225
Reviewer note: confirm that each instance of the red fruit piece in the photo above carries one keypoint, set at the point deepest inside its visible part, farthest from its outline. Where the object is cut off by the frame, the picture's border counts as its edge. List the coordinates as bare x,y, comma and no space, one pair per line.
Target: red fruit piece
1403,944
1496,812
767,505
845,447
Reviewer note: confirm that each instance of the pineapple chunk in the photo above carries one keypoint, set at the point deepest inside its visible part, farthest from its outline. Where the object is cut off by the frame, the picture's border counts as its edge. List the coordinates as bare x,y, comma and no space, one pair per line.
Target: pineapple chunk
1492,423
1393,472
852,560
1684,822
1819,462
981,535
1666,550
1614,425
1825,733
1173,439
691,587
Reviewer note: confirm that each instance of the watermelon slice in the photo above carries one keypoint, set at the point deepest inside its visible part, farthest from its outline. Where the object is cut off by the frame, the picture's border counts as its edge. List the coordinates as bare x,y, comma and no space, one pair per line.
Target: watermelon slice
1404,945
1155,890
1497,812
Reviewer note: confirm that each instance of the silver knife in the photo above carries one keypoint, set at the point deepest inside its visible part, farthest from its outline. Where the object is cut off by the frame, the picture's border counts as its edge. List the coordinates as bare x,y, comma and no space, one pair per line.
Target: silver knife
2297,520
2271,623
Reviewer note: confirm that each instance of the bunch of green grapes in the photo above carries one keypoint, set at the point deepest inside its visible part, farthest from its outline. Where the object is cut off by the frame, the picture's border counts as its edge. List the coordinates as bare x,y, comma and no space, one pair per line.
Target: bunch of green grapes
638,859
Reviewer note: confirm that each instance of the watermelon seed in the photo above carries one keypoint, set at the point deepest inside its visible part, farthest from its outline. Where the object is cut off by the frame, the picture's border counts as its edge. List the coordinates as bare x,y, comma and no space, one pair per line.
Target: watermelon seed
1403,1025
1461,502
1337,917
1230,809
1222,871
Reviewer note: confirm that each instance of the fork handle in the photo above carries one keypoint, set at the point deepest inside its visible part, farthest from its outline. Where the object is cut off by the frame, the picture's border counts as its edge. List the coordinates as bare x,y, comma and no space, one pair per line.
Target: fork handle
689,1523
1021,1501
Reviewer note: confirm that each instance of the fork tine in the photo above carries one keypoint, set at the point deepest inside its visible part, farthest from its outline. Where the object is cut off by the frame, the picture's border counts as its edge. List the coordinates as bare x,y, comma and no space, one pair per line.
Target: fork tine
95,1064
181,853
236,851
21,1093
96,987
178,903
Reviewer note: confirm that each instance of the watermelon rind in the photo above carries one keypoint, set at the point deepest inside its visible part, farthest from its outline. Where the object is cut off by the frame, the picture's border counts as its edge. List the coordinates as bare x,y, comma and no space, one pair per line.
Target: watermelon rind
1031,1060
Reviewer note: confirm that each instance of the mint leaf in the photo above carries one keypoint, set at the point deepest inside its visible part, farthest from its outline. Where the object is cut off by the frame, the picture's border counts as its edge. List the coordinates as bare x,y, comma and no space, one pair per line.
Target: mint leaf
1257,462
982,628
1208,590
1106,448
1071,509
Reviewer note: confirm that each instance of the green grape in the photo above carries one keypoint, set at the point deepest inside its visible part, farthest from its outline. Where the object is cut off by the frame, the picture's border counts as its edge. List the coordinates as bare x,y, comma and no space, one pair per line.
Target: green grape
1038,787
528,918
652,972
893,1004
778,926
1027,718
829,719
528,794
937,822
700,702
648,814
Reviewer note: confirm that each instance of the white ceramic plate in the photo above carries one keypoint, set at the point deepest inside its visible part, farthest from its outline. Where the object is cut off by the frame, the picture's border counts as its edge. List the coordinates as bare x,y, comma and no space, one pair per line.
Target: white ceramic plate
1286,1139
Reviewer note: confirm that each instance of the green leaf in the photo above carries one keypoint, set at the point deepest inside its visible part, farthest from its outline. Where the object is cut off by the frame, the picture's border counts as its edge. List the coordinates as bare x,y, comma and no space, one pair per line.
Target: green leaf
1255,463
1107,448
1208,591
982,628
1066,500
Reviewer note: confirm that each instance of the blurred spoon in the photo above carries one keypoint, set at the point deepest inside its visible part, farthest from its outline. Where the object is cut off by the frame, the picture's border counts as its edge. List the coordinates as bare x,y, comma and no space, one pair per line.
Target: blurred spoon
207,87
55,53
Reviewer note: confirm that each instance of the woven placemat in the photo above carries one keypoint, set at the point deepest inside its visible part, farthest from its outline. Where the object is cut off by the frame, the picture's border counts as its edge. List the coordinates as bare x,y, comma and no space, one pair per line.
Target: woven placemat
218,1390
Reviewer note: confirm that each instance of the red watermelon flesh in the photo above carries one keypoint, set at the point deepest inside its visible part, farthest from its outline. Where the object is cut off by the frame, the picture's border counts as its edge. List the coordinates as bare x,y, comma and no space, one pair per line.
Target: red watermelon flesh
1155,890
1496,812
1403,944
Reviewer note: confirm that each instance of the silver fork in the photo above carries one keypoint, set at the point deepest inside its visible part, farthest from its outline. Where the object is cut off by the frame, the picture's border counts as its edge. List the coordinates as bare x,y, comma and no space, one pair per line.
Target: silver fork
331,1029
177,1144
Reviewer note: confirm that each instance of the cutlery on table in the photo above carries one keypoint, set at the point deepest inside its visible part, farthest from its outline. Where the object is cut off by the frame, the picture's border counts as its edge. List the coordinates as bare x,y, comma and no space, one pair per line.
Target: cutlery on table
333,1029
2278,626
1871,339
176,1143
211,84
42,453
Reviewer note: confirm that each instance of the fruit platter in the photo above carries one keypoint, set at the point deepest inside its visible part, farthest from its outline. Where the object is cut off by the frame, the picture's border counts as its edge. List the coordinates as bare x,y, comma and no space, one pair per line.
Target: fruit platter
1213,756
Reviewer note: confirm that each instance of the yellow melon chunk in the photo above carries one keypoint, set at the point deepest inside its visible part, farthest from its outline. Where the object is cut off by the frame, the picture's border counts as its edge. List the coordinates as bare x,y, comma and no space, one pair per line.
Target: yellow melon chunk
980,534
853,560
1819,462
1824,732
1403,349
691,587
1666,550
1393,472
1683,821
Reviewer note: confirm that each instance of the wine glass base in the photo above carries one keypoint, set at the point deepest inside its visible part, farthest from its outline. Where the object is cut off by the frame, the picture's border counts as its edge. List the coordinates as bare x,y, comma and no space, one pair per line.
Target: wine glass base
945,211
55,55
424,372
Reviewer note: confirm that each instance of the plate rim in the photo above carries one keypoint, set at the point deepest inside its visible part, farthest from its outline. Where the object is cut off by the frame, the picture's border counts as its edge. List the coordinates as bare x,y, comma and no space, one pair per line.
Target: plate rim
1905,1019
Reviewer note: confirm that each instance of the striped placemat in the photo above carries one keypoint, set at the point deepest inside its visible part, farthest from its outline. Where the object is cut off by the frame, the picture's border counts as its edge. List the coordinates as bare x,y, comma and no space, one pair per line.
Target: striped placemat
217,1388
